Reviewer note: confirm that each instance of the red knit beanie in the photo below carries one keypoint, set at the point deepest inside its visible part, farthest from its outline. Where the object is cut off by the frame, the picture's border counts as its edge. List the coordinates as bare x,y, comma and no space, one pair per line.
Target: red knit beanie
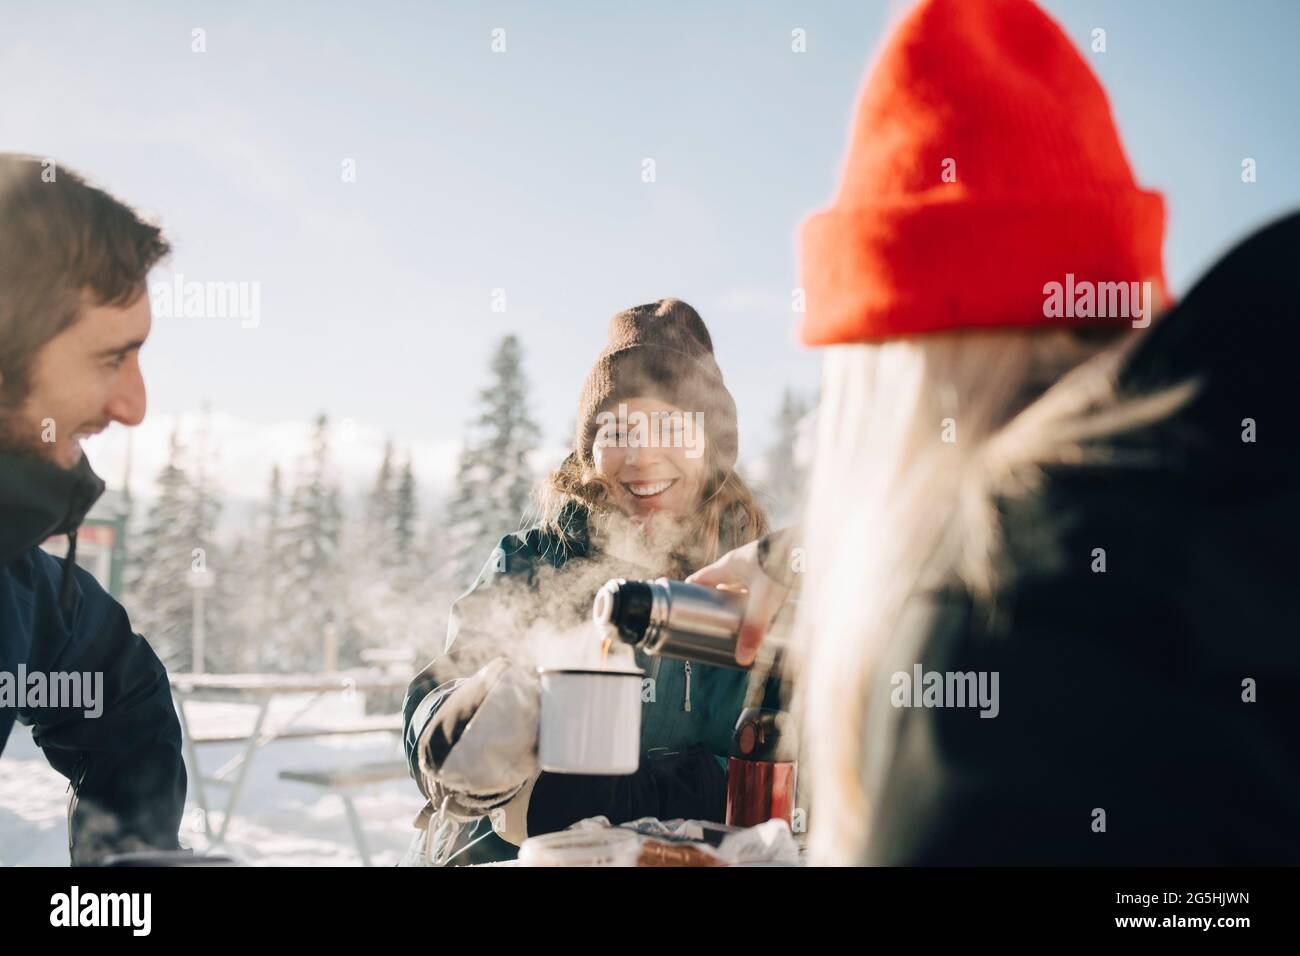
984,164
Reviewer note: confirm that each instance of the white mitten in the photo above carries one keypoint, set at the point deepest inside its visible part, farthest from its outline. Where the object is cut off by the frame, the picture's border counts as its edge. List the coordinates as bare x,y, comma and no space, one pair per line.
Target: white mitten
480,746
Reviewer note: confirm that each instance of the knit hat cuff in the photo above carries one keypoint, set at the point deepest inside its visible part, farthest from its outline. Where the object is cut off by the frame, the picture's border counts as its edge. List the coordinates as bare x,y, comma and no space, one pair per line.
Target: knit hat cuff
885,271
693,387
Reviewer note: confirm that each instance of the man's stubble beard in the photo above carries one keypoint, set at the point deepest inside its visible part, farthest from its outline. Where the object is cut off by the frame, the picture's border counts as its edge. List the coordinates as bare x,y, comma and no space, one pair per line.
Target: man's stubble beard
20,438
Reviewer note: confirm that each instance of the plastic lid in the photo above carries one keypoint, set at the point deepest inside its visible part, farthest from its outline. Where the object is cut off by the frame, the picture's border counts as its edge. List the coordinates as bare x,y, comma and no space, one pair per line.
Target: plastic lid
611,846
767,735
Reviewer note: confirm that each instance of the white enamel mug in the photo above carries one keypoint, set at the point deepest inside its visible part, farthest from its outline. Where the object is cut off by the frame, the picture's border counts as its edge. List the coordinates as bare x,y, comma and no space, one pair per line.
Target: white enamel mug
590,721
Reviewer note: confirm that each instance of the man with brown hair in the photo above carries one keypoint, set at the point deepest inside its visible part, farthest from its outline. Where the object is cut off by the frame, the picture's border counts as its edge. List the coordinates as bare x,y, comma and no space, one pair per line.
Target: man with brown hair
74,312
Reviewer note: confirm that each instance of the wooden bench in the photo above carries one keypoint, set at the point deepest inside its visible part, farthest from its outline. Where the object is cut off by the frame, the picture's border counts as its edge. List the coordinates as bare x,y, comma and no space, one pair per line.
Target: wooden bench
346,781
258,691
232,773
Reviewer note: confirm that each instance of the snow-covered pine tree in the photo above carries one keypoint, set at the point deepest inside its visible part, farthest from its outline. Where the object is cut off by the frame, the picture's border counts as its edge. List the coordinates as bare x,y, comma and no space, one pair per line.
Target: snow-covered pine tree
156,577
266,566
378,520
468,526
309,586
232,611
494,479
393,597
176,543
208,565
405,515
784,473
374,567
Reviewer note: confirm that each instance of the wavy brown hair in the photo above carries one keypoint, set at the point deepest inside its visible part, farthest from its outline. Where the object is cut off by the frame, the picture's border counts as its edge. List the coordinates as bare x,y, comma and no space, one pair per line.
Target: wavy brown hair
727,516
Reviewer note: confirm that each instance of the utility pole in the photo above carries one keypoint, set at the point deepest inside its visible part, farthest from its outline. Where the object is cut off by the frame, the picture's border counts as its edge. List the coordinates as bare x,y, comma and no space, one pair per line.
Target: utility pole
200,581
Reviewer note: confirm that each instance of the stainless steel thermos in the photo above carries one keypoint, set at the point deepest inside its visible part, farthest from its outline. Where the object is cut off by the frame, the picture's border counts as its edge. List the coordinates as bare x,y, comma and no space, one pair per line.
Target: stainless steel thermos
673,619
686,621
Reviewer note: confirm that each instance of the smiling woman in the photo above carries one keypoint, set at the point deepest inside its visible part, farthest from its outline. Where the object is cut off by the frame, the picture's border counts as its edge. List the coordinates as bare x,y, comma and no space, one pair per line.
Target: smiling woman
642,494
648,469
658,366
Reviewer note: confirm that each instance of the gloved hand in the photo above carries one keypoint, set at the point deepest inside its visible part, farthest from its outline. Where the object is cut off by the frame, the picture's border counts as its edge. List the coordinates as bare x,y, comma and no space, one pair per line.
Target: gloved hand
480,746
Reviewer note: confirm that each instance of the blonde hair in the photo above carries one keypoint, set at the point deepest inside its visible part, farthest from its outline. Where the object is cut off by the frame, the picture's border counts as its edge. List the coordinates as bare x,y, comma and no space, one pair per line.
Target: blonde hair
913,435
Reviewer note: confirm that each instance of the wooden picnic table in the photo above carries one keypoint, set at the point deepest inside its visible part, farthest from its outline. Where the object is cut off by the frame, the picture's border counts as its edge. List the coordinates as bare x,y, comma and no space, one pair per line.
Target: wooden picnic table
259,690
257,685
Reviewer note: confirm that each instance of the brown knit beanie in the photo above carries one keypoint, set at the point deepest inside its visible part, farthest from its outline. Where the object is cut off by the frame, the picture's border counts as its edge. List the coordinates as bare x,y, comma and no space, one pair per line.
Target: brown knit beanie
659,350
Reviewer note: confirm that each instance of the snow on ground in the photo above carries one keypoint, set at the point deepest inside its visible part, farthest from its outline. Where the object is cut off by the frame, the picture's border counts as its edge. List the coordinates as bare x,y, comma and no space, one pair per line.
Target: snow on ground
277,823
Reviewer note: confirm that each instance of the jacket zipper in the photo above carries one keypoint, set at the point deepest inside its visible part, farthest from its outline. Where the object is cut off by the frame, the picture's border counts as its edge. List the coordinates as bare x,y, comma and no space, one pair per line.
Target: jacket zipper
686,698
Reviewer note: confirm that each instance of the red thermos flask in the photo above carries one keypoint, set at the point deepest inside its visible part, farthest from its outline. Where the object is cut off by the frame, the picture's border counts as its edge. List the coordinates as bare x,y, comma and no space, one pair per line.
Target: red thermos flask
762,768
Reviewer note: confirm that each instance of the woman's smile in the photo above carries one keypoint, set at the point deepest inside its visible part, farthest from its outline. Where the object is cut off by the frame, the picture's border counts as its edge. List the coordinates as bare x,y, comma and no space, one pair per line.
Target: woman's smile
649,489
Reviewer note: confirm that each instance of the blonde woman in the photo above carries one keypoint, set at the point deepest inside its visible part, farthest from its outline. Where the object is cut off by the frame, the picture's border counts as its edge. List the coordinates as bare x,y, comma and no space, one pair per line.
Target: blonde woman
1045,561
649,489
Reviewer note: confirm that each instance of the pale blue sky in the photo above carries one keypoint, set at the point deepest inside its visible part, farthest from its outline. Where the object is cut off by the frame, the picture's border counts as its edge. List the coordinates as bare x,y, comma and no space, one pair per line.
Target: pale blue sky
522,170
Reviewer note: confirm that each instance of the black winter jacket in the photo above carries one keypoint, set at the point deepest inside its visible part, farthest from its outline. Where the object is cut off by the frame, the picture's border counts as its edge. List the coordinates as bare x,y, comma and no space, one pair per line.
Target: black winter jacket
1149,713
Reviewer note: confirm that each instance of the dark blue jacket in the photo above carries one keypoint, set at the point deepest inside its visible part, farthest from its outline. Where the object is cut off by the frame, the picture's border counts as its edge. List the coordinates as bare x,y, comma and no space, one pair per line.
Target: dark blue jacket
125,764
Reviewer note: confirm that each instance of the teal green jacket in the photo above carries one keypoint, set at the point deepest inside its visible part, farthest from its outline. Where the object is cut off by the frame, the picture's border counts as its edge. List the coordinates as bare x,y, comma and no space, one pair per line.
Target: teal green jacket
689,710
